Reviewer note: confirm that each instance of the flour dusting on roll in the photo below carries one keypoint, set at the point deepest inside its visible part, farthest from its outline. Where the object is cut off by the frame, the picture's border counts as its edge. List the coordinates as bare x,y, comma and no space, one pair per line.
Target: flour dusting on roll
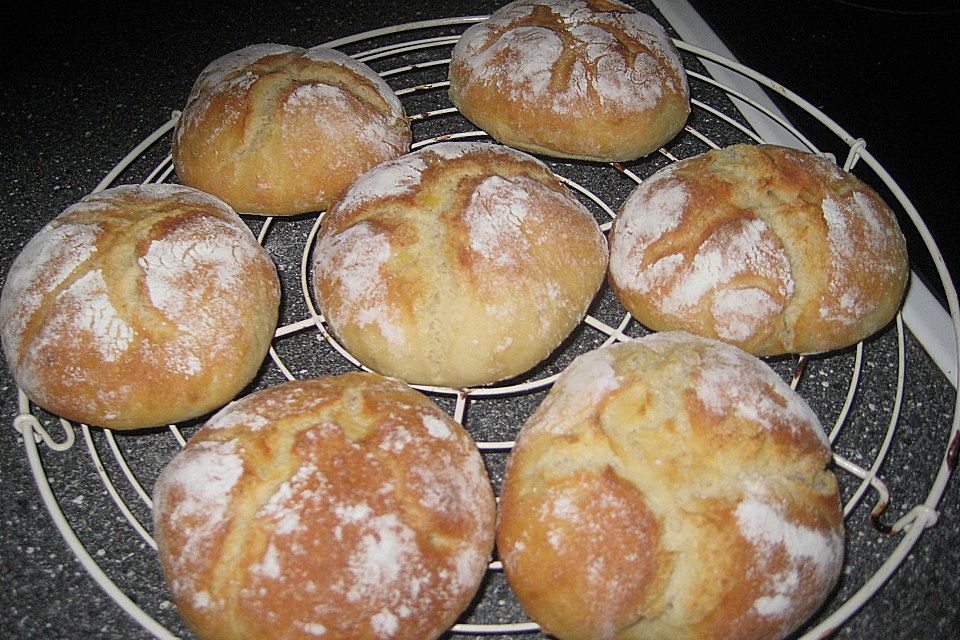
589,79
769,248
344,507
139,306
461,264
280,130
670,487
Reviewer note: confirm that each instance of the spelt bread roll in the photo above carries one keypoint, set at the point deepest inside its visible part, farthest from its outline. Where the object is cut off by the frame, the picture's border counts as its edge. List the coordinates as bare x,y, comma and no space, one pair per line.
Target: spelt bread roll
341,507
139,306
280,130
670,487
458,265
594,79
768,248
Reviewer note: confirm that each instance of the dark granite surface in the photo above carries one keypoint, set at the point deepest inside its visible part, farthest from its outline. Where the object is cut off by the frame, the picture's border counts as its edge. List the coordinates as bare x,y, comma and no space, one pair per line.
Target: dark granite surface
82,90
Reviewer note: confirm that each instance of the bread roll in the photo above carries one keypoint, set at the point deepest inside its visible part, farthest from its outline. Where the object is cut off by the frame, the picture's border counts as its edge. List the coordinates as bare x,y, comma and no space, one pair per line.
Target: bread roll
458,265
139,306
670,487
589,79
340,507
769,248
280,130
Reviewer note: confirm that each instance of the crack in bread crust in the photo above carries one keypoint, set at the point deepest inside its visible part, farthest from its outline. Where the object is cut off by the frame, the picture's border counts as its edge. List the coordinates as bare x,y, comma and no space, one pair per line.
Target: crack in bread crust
116,255
280,78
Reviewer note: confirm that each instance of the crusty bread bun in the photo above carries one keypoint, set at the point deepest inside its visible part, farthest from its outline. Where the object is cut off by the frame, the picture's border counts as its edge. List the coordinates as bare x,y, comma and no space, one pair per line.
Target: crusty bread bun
139,306
280,130
458,265
769,248
670,487
344,507
589,79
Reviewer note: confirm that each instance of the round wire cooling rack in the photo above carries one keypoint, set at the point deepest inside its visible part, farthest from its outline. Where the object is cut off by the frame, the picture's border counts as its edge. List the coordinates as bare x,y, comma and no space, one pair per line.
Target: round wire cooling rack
843,387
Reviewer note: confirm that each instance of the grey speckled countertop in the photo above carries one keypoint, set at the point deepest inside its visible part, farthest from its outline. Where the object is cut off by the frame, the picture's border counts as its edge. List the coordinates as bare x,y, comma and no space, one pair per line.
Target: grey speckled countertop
82,90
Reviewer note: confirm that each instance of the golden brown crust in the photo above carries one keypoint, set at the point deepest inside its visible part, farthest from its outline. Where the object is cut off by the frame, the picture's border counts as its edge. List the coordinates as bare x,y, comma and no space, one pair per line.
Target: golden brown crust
769,248
688,469
139,306
443,268
347,506
281,130
594,80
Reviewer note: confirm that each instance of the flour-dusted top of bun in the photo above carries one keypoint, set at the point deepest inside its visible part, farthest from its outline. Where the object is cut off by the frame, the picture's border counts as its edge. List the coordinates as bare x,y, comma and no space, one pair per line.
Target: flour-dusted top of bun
131,286
43,265
525,43
726,383
236,73
228,64
281,130
333,506
328,55
773,249
386,180
758,396
56,257
235,68
355,257
403,175
742,248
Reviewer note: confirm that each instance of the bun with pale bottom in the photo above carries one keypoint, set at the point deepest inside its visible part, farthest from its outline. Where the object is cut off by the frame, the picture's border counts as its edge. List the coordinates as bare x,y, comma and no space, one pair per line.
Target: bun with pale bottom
769,248
458,265
279,130
139,306
343,507
670,487
588,79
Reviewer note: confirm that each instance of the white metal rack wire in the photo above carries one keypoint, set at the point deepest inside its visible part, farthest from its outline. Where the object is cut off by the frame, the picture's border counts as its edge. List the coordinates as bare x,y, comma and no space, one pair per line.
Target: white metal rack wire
412,56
